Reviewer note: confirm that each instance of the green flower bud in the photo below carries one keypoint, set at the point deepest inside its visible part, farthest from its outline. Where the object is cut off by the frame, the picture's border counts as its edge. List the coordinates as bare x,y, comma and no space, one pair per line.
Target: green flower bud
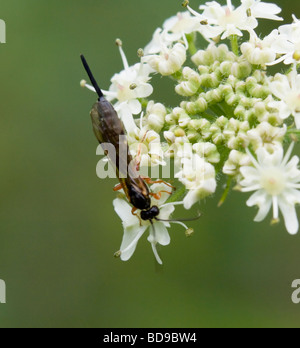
226,89
218,138
215,128
202,58
232,99
225,68
260,76
222,122
240,87
201,104
259,91
171,119
203,69
208,151
178,115
156,116
260,109
216,65
214,96
241,70
170,137
193,136
201,124
232,81
240,112
235,160
222,52
231,57
247,102
189,87
191,108
179,133
210,80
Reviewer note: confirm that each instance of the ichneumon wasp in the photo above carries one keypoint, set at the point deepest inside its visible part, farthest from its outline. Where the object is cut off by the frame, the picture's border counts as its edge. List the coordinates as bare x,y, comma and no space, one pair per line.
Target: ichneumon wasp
108,128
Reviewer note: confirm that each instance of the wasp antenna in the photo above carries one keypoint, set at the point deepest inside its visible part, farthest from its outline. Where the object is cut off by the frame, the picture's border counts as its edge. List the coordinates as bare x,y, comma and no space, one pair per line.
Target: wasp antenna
180,220
91,76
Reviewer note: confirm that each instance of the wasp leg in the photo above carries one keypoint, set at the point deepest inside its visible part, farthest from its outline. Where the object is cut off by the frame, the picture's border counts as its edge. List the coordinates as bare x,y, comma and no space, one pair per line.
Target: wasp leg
118,187
133,212
157,195
138,156
149,181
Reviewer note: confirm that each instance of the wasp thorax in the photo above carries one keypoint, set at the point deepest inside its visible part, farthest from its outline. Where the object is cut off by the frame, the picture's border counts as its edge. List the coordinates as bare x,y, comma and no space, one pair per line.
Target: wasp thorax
150,214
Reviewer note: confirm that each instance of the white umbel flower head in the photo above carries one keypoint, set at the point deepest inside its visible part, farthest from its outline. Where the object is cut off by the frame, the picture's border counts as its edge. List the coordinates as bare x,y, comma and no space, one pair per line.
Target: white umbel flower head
199,177
287,89
276,181
133,230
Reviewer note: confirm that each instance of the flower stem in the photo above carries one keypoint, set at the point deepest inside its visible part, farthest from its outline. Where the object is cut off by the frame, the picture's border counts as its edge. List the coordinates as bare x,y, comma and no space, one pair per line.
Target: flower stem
293,134
226,191
191,41
234,44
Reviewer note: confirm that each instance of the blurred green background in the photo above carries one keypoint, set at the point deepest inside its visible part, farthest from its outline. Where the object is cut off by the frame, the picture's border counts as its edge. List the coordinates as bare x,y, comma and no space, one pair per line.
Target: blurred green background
58,230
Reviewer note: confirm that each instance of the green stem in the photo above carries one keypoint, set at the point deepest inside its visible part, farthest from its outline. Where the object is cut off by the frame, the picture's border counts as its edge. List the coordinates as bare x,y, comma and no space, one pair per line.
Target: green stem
293,134
191,41
226,191
293,131
234,44
177,195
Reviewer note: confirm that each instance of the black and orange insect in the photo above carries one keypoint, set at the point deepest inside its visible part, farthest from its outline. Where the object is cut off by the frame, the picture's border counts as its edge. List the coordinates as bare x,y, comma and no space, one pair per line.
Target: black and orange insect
108,128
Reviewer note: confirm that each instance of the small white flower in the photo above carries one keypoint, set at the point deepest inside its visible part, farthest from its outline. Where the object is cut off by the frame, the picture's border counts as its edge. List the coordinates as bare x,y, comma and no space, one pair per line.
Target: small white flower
260,9
159,40
288,43
169,61
287,89
236,160
226,20
198,177
133,231
260,52
265,135
180,25
275,180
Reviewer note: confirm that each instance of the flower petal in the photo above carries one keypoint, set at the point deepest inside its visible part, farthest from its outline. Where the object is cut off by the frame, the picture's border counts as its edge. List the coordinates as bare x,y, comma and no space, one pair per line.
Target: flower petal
290,217
263,201
123,209
159,234
130,239
190,199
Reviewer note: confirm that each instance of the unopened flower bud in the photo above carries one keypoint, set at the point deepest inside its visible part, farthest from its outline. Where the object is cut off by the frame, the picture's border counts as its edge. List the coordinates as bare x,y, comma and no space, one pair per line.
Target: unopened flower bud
168,63
191,84
156,116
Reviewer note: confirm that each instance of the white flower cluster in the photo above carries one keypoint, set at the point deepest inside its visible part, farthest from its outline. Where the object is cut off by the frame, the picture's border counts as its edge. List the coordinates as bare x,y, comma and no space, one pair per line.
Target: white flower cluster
234,118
